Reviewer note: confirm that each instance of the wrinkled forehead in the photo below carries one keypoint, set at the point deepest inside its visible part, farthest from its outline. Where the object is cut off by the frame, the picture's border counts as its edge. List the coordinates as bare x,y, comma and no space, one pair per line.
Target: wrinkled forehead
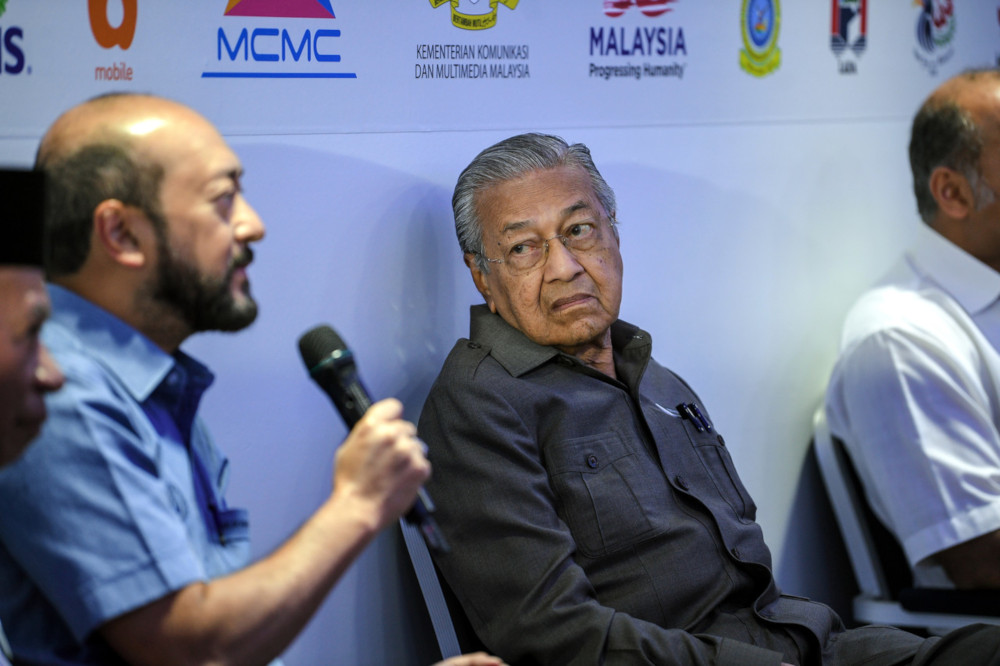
537,197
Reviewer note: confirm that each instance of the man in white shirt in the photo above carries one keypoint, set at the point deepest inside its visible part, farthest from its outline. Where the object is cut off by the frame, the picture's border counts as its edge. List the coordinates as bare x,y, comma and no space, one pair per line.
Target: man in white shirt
915,394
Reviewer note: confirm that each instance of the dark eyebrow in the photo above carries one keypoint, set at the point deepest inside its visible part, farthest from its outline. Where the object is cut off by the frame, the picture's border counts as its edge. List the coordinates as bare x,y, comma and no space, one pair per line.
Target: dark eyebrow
578,206
42,310
234,174
515,226
38,315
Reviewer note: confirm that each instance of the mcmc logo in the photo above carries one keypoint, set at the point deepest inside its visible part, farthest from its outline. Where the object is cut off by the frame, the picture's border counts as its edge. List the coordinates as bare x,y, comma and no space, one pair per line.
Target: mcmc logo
465,14
277,52
106,34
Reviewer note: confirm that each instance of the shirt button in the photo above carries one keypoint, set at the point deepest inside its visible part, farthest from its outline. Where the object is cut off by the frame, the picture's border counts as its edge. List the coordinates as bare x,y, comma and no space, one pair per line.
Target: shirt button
592,461
736,552
474,345
681,482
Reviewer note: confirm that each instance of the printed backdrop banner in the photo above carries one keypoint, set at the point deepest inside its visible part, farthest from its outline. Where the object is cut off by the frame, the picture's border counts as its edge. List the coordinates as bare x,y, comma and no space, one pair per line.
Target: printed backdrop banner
349,65
758,152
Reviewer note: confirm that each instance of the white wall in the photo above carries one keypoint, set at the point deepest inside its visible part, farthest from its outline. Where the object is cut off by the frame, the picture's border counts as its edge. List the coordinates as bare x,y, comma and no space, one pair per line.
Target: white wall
753,211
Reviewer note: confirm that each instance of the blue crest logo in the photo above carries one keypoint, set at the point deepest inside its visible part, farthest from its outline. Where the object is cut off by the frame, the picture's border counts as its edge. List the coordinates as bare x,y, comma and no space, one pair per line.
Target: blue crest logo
760,21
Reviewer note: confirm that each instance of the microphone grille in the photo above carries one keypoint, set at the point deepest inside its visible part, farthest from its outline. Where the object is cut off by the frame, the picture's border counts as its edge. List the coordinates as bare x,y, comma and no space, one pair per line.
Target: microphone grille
317,343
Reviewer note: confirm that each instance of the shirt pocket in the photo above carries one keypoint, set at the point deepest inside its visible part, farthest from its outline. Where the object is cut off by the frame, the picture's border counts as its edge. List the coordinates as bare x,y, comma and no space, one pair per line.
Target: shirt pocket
603,492
714,455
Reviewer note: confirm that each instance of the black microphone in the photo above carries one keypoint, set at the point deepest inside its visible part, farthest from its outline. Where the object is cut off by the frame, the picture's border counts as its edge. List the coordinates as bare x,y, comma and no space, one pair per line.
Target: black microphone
331,365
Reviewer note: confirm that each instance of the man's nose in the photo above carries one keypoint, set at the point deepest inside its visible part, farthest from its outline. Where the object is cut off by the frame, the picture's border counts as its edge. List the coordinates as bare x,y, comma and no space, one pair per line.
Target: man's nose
561,263
248,227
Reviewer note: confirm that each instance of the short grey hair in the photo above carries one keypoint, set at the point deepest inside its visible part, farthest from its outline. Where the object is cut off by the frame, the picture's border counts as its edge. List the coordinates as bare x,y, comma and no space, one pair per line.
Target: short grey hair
508,160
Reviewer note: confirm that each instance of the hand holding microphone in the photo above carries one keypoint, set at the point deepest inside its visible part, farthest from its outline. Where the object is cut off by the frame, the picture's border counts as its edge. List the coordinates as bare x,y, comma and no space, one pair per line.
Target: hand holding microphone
382,458
381,462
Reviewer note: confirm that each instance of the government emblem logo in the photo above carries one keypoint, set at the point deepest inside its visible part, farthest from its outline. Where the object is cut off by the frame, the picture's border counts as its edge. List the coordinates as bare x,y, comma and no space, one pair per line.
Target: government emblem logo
849,32
935,31
474,14
760,21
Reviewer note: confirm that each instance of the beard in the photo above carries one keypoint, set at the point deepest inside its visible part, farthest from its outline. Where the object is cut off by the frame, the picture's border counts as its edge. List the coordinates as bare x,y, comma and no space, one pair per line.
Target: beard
204,303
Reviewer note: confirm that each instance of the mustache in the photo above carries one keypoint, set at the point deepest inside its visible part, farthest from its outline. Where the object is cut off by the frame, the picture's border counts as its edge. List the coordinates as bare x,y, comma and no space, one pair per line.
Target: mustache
244,258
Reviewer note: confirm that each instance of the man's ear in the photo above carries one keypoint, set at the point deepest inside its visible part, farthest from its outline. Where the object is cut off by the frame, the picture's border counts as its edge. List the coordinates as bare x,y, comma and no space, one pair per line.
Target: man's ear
479,278
952,192
123,233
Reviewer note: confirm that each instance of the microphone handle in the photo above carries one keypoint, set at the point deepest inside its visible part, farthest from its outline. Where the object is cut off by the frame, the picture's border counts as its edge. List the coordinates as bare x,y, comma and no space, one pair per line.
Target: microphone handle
352,403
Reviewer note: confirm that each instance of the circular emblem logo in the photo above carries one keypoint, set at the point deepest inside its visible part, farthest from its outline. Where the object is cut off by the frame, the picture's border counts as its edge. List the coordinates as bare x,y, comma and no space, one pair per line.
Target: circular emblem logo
760,26
935,24
760,21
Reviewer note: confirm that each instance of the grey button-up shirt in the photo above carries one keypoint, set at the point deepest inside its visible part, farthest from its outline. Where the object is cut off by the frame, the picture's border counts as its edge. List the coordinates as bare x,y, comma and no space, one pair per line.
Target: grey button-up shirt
595,520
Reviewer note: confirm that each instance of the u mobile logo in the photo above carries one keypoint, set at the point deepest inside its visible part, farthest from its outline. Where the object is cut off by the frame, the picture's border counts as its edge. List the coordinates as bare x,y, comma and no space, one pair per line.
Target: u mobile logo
108,35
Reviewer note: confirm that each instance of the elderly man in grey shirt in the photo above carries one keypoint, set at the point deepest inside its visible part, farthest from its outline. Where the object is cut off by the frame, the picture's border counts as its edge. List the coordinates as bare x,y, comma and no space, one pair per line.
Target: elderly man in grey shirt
593,510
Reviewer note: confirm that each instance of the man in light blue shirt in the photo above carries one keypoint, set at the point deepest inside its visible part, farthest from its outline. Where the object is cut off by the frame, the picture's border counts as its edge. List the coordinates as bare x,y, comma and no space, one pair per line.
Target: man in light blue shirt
140,500
116,544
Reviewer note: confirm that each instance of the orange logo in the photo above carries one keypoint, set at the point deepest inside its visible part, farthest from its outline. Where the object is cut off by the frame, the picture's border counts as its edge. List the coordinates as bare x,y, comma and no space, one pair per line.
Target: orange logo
106,34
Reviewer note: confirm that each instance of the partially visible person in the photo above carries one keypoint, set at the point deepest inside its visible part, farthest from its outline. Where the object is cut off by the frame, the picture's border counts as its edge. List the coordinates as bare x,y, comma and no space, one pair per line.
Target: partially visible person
27,371
593,509
915,393
116,542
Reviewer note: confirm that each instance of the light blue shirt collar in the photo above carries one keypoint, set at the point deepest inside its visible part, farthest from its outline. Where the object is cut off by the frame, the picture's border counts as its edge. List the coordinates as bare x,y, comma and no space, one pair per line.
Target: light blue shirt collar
139,364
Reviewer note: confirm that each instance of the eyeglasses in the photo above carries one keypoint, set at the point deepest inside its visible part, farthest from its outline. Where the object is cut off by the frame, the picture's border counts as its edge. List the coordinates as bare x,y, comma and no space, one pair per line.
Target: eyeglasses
524,256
